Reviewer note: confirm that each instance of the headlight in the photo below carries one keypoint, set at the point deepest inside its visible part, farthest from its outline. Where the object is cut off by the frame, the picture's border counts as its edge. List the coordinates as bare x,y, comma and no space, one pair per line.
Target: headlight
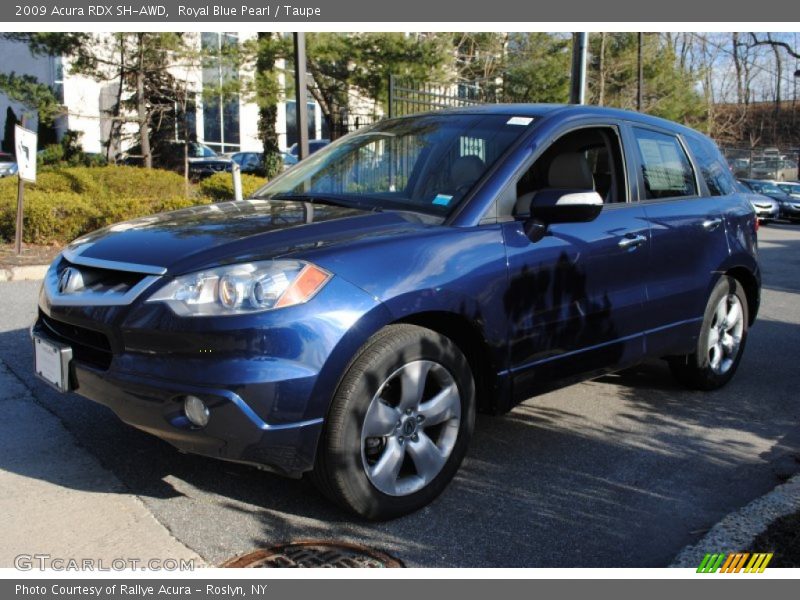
243,288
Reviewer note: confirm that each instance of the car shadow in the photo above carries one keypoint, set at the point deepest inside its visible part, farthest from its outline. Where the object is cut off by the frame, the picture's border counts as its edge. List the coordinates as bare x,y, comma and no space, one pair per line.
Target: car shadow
620,471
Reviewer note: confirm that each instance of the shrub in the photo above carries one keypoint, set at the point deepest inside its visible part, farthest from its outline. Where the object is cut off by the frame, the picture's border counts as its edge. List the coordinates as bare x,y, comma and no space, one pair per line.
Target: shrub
114,210
50,155
219,186
49,216
67,202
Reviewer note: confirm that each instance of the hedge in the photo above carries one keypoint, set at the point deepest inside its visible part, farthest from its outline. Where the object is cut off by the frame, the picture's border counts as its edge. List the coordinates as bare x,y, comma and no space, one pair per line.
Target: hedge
219,186
67,202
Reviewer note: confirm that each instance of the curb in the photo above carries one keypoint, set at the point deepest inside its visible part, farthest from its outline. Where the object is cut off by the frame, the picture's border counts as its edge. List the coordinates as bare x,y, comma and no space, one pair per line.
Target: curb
737,531
23,273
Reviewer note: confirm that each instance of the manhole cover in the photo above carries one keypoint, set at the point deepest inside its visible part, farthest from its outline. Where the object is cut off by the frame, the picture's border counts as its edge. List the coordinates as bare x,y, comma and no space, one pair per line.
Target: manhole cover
315,554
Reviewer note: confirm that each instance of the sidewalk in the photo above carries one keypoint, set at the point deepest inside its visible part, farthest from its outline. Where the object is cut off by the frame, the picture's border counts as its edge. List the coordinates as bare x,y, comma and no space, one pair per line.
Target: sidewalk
56,499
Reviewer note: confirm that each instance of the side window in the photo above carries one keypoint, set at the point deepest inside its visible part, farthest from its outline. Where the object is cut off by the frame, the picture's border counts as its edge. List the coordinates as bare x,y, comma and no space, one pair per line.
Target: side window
712,166
589,158
666,169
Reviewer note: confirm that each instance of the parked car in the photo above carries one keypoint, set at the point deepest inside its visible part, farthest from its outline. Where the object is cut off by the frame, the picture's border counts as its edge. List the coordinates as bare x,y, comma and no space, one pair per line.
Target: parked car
291,156
790,187
204,162
789,205
8,165
251,163
780,169
289,160
767,209
349,320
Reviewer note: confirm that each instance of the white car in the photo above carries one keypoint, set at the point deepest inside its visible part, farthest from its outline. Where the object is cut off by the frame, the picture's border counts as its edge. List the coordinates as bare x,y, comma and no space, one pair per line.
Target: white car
8,165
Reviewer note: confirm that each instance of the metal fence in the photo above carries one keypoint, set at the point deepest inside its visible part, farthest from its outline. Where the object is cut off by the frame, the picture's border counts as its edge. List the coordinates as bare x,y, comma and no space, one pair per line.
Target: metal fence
777,164
408,97
341,124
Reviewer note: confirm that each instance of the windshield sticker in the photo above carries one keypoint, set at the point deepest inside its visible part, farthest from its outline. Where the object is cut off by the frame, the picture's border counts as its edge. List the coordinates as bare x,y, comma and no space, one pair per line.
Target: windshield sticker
442,199
519,121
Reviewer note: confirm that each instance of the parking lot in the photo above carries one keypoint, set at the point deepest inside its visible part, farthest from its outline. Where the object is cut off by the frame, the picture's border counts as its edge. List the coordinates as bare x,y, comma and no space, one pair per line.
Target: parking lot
621,471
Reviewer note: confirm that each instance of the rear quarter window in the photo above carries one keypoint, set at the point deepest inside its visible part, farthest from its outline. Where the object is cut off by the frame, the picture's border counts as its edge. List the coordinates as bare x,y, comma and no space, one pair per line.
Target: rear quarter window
712,166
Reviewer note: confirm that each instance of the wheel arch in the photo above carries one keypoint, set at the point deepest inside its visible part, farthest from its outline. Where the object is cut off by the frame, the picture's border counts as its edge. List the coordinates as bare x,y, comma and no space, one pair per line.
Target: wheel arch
471,341
752,289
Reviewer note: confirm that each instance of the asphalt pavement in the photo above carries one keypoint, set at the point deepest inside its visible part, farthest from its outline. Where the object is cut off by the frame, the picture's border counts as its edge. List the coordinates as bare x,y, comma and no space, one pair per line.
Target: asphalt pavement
623,471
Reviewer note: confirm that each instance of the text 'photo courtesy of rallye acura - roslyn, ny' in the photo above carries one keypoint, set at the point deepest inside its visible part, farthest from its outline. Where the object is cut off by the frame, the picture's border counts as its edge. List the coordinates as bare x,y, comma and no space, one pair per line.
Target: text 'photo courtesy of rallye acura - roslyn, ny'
348,320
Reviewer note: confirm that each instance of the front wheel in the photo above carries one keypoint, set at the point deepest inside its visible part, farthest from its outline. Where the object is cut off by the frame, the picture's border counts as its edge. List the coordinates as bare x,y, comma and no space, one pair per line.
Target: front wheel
399,424
721,341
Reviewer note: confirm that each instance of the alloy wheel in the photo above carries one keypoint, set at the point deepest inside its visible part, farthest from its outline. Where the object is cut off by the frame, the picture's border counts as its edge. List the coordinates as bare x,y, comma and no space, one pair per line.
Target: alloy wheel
725,335
410,428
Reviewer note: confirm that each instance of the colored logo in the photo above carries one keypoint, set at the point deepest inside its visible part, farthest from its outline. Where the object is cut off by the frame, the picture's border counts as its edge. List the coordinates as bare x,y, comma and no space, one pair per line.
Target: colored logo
735,562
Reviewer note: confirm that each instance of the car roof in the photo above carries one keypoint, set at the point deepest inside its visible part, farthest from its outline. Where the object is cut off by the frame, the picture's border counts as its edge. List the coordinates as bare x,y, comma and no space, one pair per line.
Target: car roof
548,110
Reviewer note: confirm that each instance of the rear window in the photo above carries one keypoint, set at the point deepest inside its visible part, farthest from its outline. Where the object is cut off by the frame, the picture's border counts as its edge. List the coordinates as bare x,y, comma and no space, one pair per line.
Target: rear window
666,169
712,166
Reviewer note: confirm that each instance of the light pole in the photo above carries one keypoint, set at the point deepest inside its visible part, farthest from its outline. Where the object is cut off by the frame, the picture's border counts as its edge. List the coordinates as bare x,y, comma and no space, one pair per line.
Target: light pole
300,94
577,94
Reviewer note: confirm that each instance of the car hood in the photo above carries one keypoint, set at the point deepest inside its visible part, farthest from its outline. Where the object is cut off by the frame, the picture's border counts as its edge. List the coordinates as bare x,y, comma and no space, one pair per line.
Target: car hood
227,232
780,197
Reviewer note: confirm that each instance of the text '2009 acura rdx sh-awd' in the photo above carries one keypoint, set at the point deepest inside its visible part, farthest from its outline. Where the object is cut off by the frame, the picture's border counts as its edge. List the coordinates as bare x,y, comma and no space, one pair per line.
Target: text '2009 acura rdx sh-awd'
350,318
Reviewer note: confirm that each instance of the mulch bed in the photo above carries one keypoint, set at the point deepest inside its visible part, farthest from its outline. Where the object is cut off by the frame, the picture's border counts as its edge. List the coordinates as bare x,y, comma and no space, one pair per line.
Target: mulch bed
783,538
32,254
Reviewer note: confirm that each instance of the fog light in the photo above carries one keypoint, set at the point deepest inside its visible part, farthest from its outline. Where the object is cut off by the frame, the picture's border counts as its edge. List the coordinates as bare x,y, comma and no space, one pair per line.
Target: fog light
196,411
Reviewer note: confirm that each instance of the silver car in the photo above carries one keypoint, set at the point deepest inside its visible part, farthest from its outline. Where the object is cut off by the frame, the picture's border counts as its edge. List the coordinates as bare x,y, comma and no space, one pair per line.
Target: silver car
766,208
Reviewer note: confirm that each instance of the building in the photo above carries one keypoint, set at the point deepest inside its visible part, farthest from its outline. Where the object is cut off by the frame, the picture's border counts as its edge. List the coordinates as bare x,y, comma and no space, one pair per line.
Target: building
225,126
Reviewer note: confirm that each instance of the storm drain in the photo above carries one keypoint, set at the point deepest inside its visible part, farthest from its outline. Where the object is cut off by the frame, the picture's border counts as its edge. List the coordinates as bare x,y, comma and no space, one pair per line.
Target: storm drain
315,554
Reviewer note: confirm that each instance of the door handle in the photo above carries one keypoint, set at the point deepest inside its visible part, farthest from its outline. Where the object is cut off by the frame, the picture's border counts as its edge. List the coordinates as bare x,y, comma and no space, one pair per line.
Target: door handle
711,224
631,241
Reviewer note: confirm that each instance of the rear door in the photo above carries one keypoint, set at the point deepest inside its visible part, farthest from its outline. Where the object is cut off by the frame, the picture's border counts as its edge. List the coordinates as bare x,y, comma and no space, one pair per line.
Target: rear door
687,238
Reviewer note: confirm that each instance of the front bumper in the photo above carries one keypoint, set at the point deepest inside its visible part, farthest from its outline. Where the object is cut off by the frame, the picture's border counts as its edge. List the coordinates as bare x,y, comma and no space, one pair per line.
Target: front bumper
234,432
790,210
767,214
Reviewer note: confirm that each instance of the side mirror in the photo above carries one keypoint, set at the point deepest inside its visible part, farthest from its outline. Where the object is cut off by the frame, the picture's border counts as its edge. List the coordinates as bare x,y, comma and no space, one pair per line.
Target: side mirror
549,206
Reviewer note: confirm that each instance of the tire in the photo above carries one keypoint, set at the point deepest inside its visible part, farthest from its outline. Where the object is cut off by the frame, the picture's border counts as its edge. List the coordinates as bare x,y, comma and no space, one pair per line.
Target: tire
712,365
387,449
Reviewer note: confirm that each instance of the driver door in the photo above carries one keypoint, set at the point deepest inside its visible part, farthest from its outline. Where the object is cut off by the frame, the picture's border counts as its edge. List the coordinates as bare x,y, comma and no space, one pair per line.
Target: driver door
575,299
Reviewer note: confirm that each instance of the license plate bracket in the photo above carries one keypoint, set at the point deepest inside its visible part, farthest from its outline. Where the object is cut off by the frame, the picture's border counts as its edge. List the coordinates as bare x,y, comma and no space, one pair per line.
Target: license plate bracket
51,362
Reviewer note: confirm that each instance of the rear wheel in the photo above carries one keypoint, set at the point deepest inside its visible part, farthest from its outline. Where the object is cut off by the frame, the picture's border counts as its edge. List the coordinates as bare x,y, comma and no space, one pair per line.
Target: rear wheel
399,425
721,341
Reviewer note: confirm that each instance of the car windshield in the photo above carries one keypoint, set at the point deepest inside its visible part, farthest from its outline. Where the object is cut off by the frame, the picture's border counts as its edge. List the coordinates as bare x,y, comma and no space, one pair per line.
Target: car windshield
766,188
426,163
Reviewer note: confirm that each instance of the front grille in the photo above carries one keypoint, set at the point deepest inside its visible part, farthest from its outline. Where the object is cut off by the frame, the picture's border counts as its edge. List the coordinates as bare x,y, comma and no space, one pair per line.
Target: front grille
103,281
78,281
88,346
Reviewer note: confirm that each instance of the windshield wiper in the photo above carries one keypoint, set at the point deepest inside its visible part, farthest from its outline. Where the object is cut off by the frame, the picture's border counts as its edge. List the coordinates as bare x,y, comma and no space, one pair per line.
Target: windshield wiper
323,199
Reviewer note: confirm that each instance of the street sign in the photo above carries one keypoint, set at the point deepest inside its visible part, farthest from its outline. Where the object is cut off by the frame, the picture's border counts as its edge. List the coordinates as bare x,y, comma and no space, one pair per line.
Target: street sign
25,145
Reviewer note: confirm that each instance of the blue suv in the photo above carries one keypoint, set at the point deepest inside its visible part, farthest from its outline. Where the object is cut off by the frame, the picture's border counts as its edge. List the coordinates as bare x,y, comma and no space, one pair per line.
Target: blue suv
349,320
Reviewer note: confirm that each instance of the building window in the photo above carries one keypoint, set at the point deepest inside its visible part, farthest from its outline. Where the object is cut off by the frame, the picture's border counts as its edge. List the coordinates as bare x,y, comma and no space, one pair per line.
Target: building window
291,122
58,79
221,104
